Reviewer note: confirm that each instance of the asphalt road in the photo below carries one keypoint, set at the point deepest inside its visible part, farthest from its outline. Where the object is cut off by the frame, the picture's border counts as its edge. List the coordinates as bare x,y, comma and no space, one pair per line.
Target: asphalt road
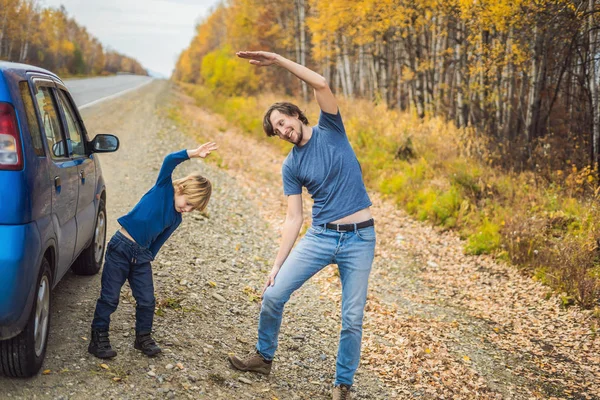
90,91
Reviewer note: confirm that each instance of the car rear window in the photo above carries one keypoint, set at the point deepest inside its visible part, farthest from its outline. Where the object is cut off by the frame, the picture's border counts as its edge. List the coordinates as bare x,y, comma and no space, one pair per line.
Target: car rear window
32,121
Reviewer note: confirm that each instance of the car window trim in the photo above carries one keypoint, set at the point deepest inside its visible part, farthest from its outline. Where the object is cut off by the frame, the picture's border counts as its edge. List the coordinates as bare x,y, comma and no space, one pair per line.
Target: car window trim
37,116
63,121
49,81
66,124
75,110
42,81
38,81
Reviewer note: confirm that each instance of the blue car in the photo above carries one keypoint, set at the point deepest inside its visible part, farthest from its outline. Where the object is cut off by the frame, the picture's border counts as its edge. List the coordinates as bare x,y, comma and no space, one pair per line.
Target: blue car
52,207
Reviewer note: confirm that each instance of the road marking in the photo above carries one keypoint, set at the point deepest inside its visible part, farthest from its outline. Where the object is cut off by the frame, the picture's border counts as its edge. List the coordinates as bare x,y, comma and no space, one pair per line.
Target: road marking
112,96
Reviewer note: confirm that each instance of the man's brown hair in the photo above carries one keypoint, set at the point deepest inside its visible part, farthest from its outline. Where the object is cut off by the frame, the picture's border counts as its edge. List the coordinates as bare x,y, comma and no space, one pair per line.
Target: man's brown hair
289,109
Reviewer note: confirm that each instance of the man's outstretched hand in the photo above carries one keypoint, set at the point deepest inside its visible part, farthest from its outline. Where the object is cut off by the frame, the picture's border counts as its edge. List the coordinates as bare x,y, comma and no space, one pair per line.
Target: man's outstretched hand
260,58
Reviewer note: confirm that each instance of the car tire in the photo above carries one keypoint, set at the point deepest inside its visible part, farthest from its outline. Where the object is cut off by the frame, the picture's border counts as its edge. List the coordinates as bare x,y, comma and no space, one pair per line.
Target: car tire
23,355
90,259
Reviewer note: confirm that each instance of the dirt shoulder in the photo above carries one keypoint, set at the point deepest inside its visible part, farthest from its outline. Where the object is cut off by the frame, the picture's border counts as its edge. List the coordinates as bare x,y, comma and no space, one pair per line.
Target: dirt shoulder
207,280
439,324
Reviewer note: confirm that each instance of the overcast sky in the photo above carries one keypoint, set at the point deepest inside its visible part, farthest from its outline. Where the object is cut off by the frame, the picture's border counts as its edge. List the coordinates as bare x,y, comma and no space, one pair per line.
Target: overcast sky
152,31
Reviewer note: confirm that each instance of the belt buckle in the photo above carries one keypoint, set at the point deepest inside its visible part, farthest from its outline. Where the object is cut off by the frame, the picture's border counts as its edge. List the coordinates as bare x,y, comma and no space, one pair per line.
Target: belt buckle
337,228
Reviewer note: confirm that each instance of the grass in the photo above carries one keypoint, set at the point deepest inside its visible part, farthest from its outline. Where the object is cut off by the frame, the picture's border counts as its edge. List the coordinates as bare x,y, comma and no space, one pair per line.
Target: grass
443,175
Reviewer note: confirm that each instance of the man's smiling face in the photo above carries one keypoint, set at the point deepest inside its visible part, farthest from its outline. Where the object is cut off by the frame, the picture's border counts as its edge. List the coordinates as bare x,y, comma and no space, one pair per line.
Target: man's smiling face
286,127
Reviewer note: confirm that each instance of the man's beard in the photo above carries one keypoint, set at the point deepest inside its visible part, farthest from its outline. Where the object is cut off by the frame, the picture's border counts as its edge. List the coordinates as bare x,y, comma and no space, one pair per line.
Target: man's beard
300,135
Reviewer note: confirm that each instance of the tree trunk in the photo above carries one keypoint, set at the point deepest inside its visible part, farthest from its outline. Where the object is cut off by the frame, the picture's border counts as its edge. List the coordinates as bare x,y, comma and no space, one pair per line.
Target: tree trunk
593,83
301,11
347,70
535,89
384,73
439,77
521,111
461,111
417,83
499,85
341,72
3,24
361,71
507,121
327,72
374,67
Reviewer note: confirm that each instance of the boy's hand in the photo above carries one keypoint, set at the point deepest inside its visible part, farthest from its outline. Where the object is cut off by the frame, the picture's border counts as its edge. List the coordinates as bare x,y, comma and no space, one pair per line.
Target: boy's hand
203,150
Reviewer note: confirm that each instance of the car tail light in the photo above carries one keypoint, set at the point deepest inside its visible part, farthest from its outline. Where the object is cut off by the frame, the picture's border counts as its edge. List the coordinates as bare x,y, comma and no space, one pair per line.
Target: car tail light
11,154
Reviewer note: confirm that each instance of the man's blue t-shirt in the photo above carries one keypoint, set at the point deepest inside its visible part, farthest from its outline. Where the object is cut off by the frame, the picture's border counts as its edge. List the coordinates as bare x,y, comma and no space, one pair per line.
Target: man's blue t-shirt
327,166
154,218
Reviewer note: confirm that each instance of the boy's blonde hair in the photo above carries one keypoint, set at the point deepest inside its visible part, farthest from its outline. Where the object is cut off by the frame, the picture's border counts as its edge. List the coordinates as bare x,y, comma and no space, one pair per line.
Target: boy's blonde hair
195,188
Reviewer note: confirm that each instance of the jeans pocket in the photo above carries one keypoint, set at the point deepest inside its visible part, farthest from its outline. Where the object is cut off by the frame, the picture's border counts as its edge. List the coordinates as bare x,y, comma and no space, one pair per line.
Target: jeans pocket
145,256
113,248
367,234
316,230
110,245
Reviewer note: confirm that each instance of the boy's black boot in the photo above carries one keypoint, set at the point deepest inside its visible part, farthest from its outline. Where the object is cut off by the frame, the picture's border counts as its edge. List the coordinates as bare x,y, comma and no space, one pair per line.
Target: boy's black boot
145,343
100,345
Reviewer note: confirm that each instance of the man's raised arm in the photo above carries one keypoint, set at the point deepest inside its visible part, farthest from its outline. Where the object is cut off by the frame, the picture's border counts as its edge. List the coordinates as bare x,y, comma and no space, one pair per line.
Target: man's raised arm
325,98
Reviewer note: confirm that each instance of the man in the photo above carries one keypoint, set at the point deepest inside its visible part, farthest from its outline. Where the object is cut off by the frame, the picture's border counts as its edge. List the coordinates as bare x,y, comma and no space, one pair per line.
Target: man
342,230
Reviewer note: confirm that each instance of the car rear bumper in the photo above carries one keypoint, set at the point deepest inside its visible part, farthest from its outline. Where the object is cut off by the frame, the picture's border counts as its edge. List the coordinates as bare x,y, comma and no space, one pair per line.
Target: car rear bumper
20,249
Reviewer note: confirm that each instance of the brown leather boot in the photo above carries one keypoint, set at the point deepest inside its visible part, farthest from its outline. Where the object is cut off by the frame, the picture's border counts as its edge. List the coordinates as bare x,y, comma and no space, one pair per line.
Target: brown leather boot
252,362
341,392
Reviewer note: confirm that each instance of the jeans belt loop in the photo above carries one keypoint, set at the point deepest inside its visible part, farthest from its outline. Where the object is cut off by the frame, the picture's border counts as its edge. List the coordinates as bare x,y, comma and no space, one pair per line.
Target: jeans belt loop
355,228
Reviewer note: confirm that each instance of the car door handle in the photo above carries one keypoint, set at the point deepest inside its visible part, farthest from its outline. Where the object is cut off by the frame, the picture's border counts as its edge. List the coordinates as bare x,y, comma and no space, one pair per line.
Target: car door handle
82,174
57,183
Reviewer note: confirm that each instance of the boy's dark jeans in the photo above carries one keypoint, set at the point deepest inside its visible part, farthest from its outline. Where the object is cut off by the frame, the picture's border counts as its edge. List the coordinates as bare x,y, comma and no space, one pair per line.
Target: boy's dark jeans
126,260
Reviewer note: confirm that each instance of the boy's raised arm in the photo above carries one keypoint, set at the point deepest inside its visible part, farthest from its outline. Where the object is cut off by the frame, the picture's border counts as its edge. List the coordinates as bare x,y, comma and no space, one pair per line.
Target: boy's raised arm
174,159
168,166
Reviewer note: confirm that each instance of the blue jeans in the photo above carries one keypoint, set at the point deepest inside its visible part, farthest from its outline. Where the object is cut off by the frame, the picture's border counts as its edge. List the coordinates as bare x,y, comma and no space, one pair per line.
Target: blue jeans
126,260
353,253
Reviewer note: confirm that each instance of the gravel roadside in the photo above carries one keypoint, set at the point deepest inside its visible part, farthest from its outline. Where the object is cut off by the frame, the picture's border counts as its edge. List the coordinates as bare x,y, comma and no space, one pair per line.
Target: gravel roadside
208,278
439,324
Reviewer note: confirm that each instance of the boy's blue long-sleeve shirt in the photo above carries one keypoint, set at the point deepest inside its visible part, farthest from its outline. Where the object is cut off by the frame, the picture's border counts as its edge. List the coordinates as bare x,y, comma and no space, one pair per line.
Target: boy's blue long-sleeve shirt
154,218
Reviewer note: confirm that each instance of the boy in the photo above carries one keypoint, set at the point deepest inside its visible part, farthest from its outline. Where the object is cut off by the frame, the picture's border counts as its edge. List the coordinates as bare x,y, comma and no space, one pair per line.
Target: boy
128,254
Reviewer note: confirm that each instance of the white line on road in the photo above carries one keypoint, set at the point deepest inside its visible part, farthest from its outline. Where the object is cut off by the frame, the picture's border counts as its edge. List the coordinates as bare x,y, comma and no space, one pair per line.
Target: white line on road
112,96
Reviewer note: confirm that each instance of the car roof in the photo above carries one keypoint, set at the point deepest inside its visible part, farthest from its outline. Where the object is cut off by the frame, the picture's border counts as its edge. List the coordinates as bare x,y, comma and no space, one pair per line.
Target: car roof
22,69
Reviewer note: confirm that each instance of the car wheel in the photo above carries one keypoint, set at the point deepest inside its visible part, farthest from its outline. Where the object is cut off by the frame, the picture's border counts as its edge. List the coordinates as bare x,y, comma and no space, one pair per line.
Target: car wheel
90,260
23,355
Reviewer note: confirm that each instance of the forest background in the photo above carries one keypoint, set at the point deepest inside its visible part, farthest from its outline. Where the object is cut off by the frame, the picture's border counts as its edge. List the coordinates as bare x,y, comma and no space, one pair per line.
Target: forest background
480,116
48,38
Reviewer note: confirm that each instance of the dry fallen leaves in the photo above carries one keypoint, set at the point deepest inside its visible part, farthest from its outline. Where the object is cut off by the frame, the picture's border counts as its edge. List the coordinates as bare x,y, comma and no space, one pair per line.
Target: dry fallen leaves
480,305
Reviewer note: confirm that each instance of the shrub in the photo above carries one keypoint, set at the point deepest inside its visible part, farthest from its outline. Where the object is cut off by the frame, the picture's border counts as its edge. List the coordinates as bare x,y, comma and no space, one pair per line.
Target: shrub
486,240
